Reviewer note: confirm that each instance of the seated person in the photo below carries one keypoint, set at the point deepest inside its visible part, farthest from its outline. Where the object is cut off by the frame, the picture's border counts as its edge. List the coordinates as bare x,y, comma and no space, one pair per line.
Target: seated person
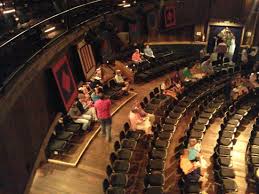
187,74
168,90
139,122
88,105
78,117
137,57
194,149
191,170
120,81
148,52
207,68
142,112
95,94
94,82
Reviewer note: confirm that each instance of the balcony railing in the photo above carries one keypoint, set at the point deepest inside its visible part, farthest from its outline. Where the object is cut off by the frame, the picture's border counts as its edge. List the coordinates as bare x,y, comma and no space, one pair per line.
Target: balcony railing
18,51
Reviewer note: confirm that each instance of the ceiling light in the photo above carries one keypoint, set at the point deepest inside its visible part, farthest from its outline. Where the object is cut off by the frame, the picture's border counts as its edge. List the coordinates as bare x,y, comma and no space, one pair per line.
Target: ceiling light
50,29
198,33
249,34
8,11
16,19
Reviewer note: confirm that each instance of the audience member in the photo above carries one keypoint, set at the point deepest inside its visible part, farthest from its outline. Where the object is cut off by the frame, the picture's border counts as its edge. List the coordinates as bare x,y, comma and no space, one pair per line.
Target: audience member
221,50
137,57
87,105
139,121
103,109
148,52
207,68
95,94
121,82
168,90
78,117
194,148
143,113
191,170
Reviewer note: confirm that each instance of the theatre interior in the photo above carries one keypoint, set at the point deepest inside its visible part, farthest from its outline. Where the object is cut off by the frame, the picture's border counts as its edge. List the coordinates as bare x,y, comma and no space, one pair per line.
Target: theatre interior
129,96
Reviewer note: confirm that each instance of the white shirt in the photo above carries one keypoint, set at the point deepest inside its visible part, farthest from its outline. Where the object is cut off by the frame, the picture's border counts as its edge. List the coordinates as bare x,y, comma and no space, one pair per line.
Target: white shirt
148,52
119,79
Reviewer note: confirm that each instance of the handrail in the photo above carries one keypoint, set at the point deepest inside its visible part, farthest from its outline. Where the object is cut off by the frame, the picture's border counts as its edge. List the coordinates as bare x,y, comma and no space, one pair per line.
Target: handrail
45,20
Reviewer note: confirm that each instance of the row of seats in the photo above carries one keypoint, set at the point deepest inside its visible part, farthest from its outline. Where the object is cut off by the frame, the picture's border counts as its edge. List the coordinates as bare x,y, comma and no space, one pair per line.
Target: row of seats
253,156
154,179
62,136
201,117
150,70
223,171
121,160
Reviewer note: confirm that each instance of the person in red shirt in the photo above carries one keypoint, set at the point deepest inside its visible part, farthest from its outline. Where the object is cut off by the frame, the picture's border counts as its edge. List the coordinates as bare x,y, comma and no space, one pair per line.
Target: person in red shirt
136,56
103,110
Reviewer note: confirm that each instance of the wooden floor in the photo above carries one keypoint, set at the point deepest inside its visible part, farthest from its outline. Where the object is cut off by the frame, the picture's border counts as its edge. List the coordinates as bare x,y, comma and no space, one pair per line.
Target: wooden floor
87,176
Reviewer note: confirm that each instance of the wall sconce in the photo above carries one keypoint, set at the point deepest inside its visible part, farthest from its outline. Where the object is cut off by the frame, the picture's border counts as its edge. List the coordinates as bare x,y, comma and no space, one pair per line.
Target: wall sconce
248,34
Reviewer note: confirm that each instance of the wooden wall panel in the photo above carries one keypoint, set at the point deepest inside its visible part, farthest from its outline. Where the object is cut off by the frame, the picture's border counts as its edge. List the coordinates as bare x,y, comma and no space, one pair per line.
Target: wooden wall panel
23,131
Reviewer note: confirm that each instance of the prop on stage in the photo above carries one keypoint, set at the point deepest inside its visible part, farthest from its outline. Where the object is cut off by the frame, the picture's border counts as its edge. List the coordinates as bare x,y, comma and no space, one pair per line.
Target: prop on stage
65,82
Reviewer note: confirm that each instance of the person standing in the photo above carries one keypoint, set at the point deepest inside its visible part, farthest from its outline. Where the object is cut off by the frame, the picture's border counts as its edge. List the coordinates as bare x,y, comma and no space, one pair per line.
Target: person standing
103,109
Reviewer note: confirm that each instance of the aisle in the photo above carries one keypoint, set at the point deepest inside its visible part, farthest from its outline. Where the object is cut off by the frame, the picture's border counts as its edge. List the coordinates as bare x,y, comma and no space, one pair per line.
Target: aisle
88,176
209,142
239,154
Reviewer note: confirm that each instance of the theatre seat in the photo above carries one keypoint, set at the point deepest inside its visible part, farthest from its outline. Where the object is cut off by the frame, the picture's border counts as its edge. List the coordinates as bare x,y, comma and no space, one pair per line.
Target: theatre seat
155,165
168,127
229,185
154,190
165,135
227,172
225,141
118,179
196,134
158,154
115,190
121,166
155,178
57,146
224,161
160,144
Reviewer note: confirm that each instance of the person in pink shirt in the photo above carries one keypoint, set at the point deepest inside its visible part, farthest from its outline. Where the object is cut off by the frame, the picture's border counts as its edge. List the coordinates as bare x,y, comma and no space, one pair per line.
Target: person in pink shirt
103,110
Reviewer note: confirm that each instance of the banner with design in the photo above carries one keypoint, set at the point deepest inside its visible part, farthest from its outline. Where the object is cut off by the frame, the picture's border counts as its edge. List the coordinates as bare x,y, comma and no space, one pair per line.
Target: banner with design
169,16
65,82
87,58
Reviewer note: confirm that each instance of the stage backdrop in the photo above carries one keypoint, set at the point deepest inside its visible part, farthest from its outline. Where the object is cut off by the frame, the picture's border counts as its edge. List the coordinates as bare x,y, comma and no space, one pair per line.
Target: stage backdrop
215,30
168,16
65,82
87,58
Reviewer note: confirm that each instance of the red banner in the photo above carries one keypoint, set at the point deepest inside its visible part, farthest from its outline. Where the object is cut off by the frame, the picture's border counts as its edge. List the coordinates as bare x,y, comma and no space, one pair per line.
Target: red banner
65,82
169,16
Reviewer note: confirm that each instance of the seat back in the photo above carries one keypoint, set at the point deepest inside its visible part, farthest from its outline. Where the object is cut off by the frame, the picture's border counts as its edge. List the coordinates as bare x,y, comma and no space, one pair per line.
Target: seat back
145,100
113,157
117,145
109,170
126,126
122,135
106,185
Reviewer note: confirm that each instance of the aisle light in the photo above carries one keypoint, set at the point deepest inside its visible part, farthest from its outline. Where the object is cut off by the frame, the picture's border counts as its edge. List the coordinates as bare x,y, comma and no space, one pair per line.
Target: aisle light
127,5
8,11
